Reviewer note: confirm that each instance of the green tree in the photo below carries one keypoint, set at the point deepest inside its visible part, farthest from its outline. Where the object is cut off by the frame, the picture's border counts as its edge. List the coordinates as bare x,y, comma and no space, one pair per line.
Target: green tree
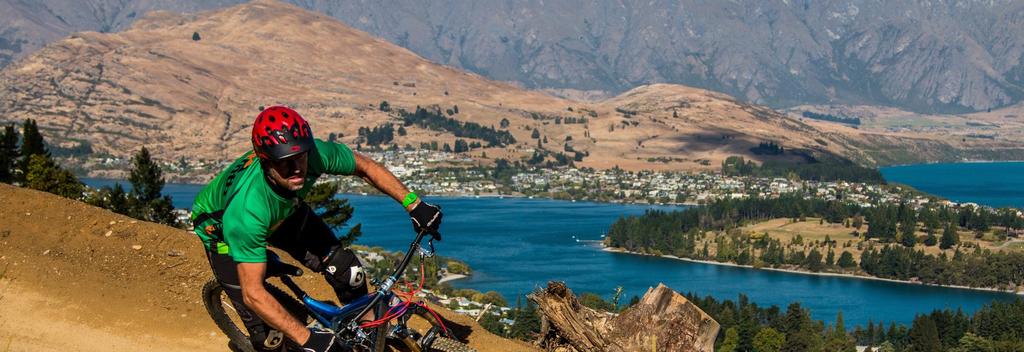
886,347
42,174
924,335
117,199
846,260
949,237
334,211
492,323
974,343
813,261
31,144
837,339
594,301
802,334
535,134
769,340
147,184
732,339
8,154
931,240
527,322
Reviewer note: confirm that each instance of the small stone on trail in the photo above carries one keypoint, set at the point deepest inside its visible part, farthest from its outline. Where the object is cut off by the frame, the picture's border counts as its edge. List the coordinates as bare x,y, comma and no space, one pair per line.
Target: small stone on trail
133,221
137,246
113,222
174,253
46,252
111,232
69,217
27,214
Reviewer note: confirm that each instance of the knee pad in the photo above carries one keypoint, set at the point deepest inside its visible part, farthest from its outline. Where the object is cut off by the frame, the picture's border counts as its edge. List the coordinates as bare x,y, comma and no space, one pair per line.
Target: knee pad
345,274
264,340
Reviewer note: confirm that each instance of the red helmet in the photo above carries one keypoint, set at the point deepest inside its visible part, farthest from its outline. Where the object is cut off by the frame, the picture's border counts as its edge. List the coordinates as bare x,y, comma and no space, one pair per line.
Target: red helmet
280,132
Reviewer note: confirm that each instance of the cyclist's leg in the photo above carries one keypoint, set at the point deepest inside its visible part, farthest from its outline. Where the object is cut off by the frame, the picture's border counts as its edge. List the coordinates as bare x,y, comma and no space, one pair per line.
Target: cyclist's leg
226,272
306,237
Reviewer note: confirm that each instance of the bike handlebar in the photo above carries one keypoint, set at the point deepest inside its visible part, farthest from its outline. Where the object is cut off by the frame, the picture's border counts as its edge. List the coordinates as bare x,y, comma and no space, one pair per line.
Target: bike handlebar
414,247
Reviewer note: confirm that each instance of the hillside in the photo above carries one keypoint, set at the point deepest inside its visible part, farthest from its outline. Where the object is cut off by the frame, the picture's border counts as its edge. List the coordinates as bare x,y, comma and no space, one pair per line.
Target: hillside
153,85
924,56
77,277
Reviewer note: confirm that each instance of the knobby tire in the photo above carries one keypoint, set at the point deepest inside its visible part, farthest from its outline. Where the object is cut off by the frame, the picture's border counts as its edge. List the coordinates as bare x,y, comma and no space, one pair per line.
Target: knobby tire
239,340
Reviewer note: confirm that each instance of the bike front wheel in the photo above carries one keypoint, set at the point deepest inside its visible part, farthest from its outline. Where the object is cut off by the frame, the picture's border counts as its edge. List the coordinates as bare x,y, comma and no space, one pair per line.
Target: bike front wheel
423,332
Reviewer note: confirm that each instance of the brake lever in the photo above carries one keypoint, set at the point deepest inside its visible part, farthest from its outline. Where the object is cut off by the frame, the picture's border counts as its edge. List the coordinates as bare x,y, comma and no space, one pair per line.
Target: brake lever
427,253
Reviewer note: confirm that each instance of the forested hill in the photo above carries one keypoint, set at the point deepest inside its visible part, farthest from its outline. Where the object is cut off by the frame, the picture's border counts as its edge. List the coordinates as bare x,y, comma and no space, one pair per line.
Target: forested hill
902,242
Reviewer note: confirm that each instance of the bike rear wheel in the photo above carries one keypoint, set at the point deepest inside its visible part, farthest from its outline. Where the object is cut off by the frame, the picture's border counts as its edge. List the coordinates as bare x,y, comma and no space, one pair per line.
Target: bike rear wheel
219,306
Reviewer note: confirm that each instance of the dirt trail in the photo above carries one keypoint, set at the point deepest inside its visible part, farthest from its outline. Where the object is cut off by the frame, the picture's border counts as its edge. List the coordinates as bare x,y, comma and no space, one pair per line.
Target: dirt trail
77,277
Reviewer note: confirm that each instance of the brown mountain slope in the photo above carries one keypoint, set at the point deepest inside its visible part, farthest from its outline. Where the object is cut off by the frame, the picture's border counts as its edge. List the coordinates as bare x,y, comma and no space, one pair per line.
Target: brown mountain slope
71,279
153,85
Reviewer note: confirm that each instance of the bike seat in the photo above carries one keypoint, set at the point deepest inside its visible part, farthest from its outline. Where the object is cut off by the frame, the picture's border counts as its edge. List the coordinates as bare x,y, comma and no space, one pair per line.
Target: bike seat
277,268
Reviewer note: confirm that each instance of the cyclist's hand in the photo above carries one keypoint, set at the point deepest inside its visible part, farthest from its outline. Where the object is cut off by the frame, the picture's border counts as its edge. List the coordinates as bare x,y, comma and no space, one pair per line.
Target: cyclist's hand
323,341
426,217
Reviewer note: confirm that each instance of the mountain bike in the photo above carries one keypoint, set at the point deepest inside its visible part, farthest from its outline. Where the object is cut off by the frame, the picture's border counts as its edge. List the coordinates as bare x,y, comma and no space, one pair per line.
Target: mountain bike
393,312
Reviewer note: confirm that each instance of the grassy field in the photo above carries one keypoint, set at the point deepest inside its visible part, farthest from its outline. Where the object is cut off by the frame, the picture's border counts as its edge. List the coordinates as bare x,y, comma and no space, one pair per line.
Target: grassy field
811,230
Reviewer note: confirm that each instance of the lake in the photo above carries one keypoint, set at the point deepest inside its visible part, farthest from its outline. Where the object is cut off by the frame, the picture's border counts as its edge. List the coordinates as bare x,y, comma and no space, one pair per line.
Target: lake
996,184
516,245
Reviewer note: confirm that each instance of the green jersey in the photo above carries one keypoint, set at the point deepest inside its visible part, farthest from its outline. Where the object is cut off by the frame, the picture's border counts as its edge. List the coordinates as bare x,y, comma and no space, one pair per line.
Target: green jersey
243,207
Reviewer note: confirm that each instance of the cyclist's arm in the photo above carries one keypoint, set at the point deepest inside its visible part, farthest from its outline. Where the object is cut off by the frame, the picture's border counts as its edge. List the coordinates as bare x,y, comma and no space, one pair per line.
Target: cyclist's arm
380,178
256,297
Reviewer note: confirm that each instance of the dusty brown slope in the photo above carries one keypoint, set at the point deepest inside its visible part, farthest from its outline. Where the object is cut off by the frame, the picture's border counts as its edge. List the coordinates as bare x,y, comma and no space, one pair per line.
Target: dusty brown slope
153,85
66,285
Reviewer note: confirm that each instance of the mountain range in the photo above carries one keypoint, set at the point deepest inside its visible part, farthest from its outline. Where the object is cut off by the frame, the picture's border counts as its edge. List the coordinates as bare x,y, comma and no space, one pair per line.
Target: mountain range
187,86
931,56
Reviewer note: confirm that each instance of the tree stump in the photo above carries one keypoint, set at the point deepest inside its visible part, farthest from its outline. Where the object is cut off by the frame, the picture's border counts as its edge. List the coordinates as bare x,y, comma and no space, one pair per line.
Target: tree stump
663,321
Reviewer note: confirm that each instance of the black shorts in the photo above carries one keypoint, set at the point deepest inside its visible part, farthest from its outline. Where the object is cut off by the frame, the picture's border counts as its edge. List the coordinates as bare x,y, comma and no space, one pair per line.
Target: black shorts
307,239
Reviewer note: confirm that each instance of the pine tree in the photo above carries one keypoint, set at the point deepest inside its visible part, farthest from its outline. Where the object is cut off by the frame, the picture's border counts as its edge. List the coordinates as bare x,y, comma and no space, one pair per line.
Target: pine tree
334,211
42,174
8,154
117,199
924,336
949,237
146,177
846,260
837,339
527,322
768,340
31,144
732,340
146,201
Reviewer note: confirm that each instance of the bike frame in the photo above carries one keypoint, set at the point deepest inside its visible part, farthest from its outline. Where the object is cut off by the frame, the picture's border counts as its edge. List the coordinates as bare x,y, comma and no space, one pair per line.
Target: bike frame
362,305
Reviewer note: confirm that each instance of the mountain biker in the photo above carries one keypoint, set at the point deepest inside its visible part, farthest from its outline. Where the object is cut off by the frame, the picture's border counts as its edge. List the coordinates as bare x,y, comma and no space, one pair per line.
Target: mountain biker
257,201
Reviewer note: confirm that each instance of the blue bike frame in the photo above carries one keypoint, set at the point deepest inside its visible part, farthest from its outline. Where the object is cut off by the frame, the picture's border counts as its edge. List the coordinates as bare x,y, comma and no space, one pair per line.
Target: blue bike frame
332,316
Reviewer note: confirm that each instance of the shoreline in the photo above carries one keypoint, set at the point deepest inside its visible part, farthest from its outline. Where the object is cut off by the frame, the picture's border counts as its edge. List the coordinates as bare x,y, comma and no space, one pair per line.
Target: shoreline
953,162
802,272
451,277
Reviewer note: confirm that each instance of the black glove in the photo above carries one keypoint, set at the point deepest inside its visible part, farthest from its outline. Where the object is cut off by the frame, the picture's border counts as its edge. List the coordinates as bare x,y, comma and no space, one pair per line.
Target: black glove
323,341
426,217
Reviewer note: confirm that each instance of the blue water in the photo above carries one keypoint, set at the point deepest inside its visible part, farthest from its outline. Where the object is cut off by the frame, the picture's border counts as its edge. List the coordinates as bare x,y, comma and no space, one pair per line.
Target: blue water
182,194
994,184
516,245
